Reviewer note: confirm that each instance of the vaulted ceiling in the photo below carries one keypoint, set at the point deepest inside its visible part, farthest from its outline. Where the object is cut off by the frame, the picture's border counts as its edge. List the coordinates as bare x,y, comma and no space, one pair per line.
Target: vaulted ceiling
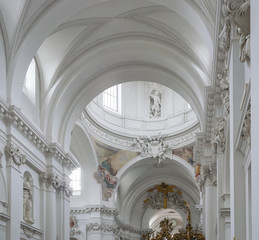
83,47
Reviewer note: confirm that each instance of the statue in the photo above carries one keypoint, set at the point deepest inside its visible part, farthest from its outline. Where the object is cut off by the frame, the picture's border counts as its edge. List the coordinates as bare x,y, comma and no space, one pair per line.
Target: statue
28,201
155,104
242,20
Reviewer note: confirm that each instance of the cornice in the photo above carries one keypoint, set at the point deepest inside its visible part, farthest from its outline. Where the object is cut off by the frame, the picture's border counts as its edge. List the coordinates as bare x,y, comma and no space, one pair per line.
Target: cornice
224,212
93,208
128,143
4,217
56,182
112,211
13,116
29,230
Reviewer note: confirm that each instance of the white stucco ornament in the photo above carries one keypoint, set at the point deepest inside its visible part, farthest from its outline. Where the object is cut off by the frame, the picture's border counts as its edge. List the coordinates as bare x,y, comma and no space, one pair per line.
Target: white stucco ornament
155,147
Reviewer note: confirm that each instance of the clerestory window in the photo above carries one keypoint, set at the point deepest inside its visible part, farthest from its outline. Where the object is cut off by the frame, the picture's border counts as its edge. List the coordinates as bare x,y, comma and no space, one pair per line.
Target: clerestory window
75,183
29,86
112,98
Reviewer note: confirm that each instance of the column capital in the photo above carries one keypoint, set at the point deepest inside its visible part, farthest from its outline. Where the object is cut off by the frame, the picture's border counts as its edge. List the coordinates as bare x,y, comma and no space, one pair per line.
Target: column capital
52,179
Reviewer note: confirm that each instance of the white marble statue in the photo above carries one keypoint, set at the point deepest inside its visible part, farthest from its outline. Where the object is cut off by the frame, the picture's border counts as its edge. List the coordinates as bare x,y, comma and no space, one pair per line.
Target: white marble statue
155,104
242,20
28,201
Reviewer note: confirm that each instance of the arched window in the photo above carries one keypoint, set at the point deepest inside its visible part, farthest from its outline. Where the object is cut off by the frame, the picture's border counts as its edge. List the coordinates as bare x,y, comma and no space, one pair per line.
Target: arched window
112,98
29,86
75,183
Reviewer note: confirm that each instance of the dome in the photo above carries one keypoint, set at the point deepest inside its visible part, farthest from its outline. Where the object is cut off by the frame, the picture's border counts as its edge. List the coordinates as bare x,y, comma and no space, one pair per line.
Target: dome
141,109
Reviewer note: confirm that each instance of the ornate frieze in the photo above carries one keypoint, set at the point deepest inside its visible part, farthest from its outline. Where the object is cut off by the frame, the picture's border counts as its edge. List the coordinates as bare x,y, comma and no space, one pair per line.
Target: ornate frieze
108,211
58,184
98,208
12,115
154,147
218,140
128,143
14,155
103,227
113,228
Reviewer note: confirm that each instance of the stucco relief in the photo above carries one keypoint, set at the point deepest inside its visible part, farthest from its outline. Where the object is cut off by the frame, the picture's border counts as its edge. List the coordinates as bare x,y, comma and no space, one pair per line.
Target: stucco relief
155,147
114,229
246,130
53,180
242,20
218,137
209,174
14,155
165,196
224,89
74,228
155,104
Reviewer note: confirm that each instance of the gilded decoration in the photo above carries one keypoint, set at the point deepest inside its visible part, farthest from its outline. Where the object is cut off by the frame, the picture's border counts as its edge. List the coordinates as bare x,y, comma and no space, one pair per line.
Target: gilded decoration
165,196
166,231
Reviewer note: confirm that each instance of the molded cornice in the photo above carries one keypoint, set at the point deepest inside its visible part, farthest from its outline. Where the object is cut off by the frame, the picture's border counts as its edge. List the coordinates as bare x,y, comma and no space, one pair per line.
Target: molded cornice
13,116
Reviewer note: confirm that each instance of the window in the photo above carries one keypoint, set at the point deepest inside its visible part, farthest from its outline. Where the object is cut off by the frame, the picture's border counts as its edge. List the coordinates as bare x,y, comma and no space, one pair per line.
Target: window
112,98
29,86
76,181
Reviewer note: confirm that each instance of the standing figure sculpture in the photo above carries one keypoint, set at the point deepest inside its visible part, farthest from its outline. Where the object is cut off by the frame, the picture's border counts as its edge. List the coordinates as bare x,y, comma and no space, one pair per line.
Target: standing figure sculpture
28,200
155,104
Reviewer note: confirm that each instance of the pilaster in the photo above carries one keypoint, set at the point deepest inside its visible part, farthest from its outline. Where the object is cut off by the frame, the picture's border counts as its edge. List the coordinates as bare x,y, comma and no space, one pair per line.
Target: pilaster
237,174
255,117
14,161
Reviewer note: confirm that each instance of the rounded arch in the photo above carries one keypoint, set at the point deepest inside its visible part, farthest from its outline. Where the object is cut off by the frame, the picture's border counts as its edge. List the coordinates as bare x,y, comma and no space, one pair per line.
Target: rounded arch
138,175
78,87
52,18
82,148
130,165
116,76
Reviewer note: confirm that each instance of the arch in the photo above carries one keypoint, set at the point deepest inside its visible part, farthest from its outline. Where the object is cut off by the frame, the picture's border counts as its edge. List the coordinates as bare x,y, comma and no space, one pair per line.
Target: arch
82,148
51,19
132,185
129,165
77,89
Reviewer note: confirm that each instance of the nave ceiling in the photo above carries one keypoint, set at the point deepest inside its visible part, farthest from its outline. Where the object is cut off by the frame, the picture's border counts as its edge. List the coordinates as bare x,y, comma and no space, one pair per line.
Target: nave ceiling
83,47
